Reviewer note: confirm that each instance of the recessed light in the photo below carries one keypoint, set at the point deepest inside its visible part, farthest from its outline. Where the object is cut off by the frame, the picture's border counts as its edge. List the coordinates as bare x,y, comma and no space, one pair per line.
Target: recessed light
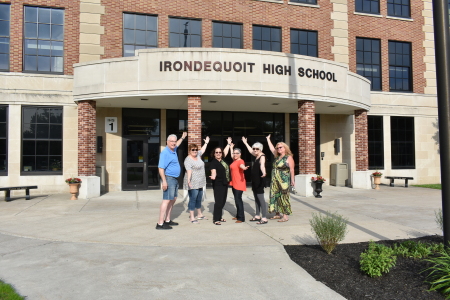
143,99
275,103
331,105
212,101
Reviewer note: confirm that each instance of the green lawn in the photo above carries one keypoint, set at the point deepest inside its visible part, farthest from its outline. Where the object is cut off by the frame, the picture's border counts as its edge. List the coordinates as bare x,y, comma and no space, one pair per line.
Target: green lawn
436,186
7,292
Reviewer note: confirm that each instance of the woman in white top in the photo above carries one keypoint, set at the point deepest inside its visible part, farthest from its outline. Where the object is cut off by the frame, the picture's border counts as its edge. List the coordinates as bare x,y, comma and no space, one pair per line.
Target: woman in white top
195,180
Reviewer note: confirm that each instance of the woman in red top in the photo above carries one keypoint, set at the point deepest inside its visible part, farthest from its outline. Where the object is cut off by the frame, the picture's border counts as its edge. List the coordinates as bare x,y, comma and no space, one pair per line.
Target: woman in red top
238,182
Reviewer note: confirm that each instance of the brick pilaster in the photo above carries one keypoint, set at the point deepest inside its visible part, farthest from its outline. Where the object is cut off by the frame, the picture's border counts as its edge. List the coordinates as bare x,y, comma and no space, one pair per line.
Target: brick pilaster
195,120
87,141
306,137
361,140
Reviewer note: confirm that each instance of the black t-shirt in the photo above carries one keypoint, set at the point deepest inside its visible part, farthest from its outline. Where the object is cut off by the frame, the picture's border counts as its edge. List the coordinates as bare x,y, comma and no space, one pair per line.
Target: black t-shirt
221,176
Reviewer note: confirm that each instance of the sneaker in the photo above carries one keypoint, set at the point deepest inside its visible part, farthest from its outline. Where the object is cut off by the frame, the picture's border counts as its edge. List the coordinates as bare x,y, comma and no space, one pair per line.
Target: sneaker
163,226
172,223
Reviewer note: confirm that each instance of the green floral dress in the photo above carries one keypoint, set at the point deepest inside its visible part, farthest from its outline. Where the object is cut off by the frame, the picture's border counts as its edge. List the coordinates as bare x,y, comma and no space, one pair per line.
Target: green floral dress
279,189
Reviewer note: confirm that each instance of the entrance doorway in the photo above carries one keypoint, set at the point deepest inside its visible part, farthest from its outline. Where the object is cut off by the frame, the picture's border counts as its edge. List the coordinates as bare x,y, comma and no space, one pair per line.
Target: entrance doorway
140,149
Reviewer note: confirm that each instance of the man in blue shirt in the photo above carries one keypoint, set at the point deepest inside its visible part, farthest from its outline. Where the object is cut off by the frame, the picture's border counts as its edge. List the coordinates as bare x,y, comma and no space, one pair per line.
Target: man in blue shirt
169,170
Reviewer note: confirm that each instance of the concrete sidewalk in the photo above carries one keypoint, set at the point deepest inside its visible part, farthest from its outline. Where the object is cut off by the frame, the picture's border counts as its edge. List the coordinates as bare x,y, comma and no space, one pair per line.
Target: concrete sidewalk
108,248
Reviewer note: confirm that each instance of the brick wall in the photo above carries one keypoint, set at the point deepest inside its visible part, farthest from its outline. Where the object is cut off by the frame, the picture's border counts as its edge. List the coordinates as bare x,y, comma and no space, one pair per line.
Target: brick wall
71,31
195,120
247,12
390,29
361,140
87,142
306,137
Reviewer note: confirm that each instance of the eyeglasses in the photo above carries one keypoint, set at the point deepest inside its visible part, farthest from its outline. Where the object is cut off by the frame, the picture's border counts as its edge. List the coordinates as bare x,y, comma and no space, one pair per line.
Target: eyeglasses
194,149
218,152
236,153
280,147
255,149
173,141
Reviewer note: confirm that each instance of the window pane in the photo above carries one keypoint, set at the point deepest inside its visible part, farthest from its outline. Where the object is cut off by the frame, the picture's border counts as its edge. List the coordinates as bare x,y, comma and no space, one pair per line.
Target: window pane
29,147
58,16
31,14
140,22
31,30
44,15
57,64
4,12
30,63
44,48
128,21
42,147
57,32
4,28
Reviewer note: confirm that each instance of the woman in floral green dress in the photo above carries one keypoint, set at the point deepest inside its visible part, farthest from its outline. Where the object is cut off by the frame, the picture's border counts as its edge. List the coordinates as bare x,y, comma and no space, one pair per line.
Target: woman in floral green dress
282,179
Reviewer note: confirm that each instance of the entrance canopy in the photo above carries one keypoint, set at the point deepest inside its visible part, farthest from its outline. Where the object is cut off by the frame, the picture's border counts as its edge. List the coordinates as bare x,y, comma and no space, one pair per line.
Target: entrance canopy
227,79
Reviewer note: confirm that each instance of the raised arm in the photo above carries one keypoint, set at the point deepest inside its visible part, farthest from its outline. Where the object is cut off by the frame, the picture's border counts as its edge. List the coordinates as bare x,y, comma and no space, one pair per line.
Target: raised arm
291,164
262,163
271,147
181,139
227,148
205,144
244,140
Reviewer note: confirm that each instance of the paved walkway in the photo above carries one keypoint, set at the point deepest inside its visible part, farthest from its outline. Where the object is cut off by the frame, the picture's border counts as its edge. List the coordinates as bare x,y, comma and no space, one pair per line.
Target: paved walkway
108,248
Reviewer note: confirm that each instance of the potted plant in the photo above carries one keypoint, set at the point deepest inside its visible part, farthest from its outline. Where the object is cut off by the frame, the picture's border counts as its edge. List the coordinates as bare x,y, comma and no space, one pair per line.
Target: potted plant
56,165
74,185
377,179
318,180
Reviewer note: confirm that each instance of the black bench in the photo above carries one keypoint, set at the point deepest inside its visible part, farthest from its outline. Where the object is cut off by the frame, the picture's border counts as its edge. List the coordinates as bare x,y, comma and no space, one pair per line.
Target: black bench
13,188
398,177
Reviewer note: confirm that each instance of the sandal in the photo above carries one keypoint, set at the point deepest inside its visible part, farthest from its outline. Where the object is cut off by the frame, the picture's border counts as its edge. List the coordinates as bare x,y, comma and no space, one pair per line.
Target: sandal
202,218
255,219
276,217
195,222
223,220
262,222
217,223
283,220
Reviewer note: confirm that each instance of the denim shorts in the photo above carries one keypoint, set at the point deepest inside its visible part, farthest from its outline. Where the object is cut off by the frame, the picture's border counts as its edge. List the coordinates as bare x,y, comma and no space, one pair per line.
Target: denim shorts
172,188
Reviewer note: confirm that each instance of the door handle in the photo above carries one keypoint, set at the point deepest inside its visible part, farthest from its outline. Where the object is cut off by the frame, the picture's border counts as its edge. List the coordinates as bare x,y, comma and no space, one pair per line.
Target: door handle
145,165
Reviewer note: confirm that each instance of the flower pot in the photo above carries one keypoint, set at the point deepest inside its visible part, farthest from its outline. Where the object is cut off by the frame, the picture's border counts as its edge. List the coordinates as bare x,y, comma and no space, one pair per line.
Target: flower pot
377,182
318,188
74,188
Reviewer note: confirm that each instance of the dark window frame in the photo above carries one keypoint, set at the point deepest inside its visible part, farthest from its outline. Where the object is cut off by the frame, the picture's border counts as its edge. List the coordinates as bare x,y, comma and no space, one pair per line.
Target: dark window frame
400,63
214,36
375,136
5,39
5,172
38,40
147,45
311,2
367,6
393,7
49,172
270,41
307,44
189,34
400,144
364,59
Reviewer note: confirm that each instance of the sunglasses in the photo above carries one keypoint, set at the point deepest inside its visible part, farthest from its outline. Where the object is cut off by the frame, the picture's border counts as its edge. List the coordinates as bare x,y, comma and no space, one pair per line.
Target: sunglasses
236,153
218,152
194,149
280,147
255,149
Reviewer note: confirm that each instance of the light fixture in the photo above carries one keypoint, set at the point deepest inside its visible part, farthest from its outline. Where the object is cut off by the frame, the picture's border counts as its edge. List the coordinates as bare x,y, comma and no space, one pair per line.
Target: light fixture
331,105
275,103
143,99
212,101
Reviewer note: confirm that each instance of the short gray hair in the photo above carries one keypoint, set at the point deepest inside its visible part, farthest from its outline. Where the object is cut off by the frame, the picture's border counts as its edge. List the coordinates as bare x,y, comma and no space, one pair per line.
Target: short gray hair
258,145
237,149
172,135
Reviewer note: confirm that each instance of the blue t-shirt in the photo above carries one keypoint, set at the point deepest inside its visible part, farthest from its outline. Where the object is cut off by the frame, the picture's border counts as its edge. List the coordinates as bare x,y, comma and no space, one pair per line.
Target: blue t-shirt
168,160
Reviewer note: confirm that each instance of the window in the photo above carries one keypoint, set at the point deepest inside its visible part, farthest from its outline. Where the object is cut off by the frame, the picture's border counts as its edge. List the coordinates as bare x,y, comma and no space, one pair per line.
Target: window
42,139
185,33
376,146
266,38
367,6
139,32
368,61
402,143
227,35
3,140
398,8
400,66
304,42
4,36
44,40
304,1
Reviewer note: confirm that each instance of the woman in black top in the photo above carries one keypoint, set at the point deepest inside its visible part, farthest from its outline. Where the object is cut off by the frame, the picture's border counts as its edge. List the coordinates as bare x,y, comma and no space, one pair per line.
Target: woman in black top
220,176
258,174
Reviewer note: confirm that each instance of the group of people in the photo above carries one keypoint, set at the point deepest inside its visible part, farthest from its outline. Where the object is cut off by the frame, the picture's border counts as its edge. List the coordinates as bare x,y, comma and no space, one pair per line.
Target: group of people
223,176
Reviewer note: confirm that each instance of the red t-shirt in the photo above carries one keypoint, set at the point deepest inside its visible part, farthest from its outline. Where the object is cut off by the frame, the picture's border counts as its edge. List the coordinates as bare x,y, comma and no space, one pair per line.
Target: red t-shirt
237,175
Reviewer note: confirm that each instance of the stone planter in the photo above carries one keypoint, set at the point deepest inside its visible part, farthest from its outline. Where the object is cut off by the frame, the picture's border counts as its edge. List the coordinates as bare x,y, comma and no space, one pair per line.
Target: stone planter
74,189
318,188
377,182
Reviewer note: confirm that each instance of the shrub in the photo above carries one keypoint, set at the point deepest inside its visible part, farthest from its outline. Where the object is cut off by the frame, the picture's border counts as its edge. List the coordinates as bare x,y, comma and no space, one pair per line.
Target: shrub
439,276
7,292
416,250
376,260
439,219
329,229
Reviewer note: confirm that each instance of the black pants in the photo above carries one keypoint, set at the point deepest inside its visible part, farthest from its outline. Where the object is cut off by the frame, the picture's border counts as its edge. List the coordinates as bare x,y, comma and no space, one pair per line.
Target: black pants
239,205
220,198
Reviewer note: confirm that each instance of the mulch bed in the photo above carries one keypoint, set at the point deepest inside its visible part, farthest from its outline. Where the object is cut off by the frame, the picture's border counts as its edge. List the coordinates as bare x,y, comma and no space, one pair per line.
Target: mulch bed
340,272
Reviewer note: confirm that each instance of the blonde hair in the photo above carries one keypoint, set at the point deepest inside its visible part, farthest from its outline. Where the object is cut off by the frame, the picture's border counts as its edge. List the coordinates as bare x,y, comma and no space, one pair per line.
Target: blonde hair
286,147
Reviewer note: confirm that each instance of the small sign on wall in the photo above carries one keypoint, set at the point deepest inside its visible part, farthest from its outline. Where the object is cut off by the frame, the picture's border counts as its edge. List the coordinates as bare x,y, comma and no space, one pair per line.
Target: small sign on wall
111,124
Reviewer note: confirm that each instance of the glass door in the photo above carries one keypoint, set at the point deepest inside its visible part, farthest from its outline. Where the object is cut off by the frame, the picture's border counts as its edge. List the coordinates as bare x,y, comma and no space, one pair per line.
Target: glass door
135,166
